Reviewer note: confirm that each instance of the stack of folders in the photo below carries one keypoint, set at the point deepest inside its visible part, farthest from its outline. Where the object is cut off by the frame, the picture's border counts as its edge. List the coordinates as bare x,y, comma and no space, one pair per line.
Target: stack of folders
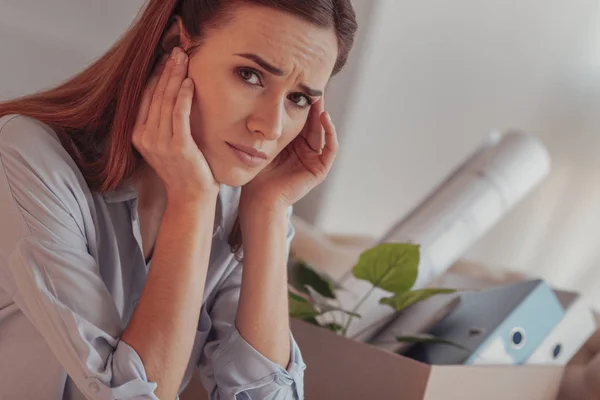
514,324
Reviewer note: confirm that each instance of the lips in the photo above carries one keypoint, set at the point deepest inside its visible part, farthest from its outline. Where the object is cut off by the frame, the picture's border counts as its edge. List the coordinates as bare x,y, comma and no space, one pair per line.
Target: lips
249,150
249,156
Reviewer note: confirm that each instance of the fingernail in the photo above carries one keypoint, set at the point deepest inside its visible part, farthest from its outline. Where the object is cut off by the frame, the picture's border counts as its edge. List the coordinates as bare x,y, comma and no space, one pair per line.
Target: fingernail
180,57
329,118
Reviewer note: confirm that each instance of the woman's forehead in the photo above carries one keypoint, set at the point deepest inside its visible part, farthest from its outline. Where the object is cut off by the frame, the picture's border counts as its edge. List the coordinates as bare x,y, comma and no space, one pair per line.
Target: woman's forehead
281,38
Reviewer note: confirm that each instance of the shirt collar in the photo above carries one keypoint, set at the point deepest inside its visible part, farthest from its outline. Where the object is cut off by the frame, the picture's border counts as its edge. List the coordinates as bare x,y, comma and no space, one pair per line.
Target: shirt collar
125,192
227,206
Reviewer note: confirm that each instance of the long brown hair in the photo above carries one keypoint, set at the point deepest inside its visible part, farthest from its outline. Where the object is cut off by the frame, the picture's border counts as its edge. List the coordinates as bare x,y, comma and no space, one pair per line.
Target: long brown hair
94,112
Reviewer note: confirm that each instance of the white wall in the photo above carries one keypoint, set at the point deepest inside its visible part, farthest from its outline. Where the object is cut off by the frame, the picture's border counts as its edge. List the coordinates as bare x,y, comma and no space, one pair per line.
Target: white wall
435,78
45,42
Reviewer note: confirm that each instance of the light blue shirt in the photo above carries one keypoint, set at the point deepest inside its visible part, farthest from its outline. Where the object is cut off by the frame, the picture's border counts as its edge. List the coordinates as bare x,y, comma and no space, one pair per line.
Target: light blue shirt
71,271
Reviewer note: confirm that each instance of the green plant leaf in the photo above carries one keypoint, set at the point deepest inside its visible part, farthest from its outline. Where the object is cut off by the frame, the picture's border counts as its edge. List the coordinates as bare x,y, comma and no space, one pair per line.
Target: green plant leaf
301,274
330,309
424,338
400,301
324,305
389,266
300,308
334,327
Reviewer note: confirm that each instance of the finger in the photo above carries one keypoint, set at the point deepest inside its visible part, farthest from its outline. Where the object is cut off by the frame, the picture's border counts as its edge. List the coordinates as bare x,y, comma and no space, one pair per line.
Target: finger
313,131
170,96
146,100
157,96
182,131
331,141
322,138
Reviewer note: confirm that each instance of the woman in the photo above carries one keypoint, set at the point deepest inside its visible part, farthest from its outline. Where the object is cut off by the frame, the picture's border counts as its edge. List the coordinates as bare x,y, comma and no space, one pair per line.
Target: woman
127,193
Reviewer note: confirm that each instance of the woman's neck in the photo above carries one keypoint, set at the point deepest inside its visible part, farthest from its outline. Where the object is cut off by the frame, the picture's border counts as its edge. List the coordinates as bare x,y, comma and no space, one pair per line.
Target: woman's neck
152,202
150,188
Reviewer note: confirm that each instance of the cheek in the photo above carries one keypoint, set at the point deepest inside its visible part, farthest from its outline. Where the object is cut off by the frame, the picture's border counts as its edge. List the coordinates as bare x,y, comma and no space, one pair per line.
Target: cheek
222,104
291,133
213,109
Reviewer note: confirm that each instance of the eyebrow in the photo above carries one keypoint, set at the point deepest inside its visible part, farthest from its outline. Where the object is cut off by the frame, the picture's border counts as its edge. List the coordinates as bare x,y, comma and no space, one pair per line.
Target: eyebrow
278,72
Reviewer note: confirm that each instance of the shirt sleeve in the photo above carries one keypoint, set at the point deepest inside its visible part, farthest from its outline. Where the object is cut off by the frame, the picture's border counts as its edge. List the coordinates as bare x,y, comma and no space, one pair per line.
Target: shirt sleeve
47,269
231,368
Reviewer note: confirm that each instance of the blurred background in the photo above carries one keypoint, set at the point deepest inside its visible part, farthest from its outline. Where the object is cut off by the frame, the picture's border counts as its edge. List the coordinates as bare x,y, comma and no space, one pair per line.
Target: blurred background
427,81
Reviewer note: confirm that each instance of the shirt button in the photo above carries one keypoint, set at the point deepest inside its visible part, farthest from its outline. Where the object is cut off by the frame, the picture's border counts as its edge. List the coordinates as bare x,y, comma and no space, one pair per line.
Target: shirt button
94,387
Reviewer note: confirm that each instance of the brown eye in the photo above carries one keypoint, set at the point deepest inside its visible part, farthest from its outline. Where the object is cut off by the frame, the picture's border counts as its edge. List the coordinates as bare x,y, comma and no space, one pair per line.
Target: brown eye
300,100
249,76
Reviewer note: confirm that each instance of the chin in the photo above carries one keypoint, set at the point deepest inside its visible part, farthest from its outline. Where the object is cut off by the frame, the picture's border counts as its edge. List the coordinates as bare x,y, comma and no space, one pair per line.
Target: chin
233,176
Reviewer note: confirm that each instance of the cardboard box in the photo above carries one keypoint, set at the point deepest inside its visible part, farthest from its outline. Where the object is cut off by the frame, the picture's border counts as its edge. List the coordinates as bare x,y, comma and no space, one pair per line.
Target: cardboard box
341,368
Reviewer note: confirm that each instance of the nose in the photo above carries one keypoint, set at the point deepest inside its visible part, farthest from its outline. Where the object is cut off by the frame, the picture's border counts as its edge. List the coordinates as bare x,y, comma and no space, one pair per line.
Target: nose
267,120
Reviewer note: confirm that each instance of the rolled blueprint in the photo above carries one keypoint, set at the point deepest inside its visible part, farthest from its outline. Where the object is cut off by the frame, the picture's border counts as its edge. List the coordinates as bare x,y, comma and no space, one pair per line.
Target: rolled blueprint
458,212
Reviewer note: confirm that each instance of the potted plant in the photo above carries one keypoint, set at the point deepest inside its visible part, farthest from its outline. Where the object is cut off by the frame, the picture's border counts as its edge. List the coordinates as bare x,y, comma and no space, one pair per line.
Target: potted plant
392,267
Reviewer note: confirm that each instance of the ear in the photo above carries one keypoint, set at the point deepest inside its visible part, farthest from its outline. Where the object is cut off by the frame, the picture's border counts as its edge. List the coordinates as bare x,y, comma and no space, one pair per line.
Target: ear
175,35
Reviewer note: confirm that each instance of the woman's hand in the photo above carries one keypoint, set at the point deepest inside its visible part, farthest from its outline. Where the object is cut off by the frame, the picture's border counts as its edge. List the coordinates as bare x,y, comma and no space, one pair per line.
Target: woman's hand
162,133
301,165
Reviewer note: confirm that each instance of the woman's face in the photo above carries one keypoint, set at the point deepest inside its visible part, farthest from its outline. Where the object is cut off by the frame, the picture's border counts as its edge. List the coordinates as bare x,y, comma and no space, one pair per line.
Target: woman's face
255,80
